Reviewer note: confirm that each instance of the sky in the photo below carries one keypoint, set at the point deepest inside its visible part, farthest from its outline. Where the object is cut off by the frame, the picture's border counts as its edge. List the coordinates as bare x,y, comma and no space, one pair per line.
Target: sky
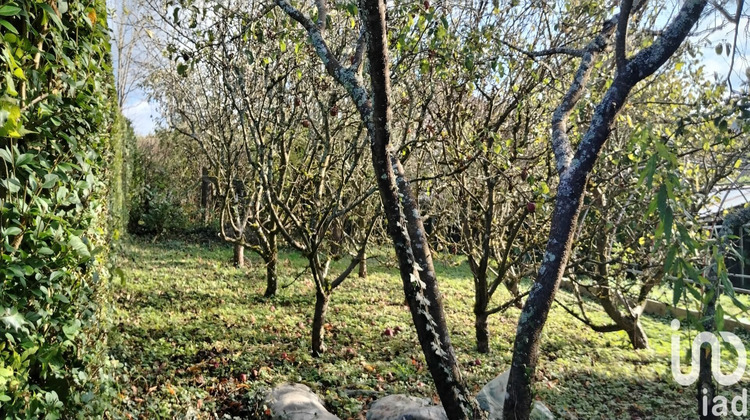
143,114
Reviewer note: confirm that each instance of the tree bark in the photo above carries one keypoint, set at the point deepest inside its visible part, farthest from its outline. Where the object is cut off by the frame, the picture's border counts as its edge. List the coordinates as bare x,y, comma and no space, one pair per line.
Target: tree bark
205,192
574,171
481,301
319,318
482,333
636,334
631,323
363,267
271,275
239,255
407,231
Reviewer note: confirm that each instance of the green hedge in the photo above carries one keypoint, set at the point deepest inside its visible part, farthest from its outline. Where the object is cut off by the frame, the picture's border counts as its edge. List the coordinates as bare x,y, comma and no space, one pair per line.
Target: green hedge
56,112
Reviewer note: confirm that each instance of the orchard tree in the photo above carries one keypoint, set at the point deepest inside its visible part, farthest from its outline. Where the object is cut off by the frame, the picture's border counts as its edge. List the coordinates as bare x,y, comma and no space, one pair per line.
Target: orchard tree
404,222
574,167
616,257
225,93
323,169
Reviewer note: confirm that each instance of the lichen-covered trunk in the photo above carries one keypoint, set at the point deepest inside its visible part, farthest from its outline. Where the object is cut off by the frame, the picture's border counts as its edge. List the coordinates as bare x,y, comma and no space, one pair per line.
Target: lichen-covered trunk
535,311
319,319
407,231
239,255
574,169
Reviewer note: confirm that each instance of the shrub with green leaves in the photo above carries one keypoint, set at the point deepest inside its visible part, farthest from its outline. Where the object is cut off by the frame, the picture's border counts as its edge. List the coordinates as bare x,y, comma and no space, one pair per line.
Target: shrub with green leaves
56,111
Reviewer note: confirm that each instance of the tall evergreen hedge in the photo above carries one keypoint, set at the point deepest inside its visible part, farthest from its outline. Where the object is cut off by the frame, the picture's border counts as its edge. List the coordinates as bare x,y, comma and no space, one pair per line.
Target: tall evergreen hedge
57,111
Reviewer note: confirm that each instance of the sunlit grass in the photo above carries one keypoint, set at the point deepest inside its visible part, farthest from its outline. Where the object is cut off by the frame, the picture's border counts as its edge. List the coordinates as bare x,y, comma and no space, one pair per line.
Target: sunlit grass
197,338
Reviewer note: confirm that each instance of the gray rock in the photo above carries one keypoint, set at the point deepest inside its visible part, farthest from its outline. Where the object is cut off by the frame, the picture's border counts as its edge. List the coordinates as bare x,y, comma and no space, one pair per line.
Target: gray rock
540,411
491,398
403,407
296,402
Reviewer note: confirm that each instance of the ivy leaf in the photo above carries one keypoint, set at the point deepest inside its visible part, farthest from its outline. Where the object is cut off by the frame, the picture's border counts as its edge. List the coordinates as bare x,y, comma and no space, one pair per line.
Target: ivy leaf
79,247
14,320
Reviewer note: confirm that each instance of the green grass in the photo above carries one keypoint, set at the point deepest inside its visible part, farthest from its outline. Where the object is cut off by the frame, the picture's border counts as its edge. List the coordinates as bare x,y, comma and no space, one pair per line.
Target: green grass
189,327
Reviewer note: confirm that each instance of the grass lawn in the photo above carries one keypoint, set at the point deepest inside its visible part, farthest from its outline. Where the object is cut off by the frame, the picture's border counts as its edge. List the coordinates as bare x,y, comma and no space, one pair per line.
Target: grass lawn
197,341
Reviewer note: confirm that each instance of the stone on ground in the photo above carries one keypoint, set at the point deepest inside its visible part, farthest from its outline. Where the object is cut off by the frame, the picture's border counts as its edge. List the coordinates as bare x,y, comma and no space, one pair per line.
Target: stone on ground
403,407
296,402
491,398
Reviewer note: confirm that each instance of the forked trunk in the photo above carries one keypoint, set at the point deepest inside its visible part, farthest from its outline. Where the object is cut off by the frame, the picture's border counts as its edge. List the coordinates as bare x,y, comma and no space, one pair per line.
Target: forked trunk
574,169
637,335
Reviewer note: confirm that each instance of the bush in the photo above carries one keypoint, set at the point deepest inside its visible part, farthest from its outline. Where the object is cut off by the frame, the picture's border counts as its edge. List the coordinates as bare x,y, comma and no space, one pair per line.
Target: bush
164,191
55,115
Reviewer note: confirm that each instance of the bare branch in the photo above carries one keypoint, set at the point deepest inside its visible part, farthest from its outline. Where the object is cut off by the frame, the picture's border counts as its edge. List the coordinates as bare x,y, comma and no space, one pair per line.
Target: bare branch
322,14
350,80
597,328
560,141
622,34
359,52
544,53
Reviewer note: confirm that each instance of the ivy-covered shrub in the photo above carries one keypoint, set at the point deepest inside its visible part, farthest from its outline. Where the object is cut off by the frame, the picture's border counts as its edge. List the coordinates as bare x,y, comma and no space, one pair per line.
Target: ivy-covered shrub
56,112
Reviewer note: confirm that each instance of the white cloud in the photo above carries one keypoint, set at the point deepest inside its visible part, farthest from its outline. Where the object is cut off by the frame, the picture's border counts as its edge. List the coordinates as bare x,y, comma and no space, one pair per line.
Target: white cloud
142,114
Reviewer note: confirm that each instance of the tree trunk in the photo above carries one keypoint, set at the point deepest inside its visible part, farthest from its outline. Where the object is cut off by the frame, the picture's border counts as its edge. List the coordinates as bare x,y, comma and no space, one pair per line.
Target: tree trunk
631,324
535,311
574,169
239,255
363,267
407,231
482,333
636,334
481,300
705,385
319,318
205,191
271,277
